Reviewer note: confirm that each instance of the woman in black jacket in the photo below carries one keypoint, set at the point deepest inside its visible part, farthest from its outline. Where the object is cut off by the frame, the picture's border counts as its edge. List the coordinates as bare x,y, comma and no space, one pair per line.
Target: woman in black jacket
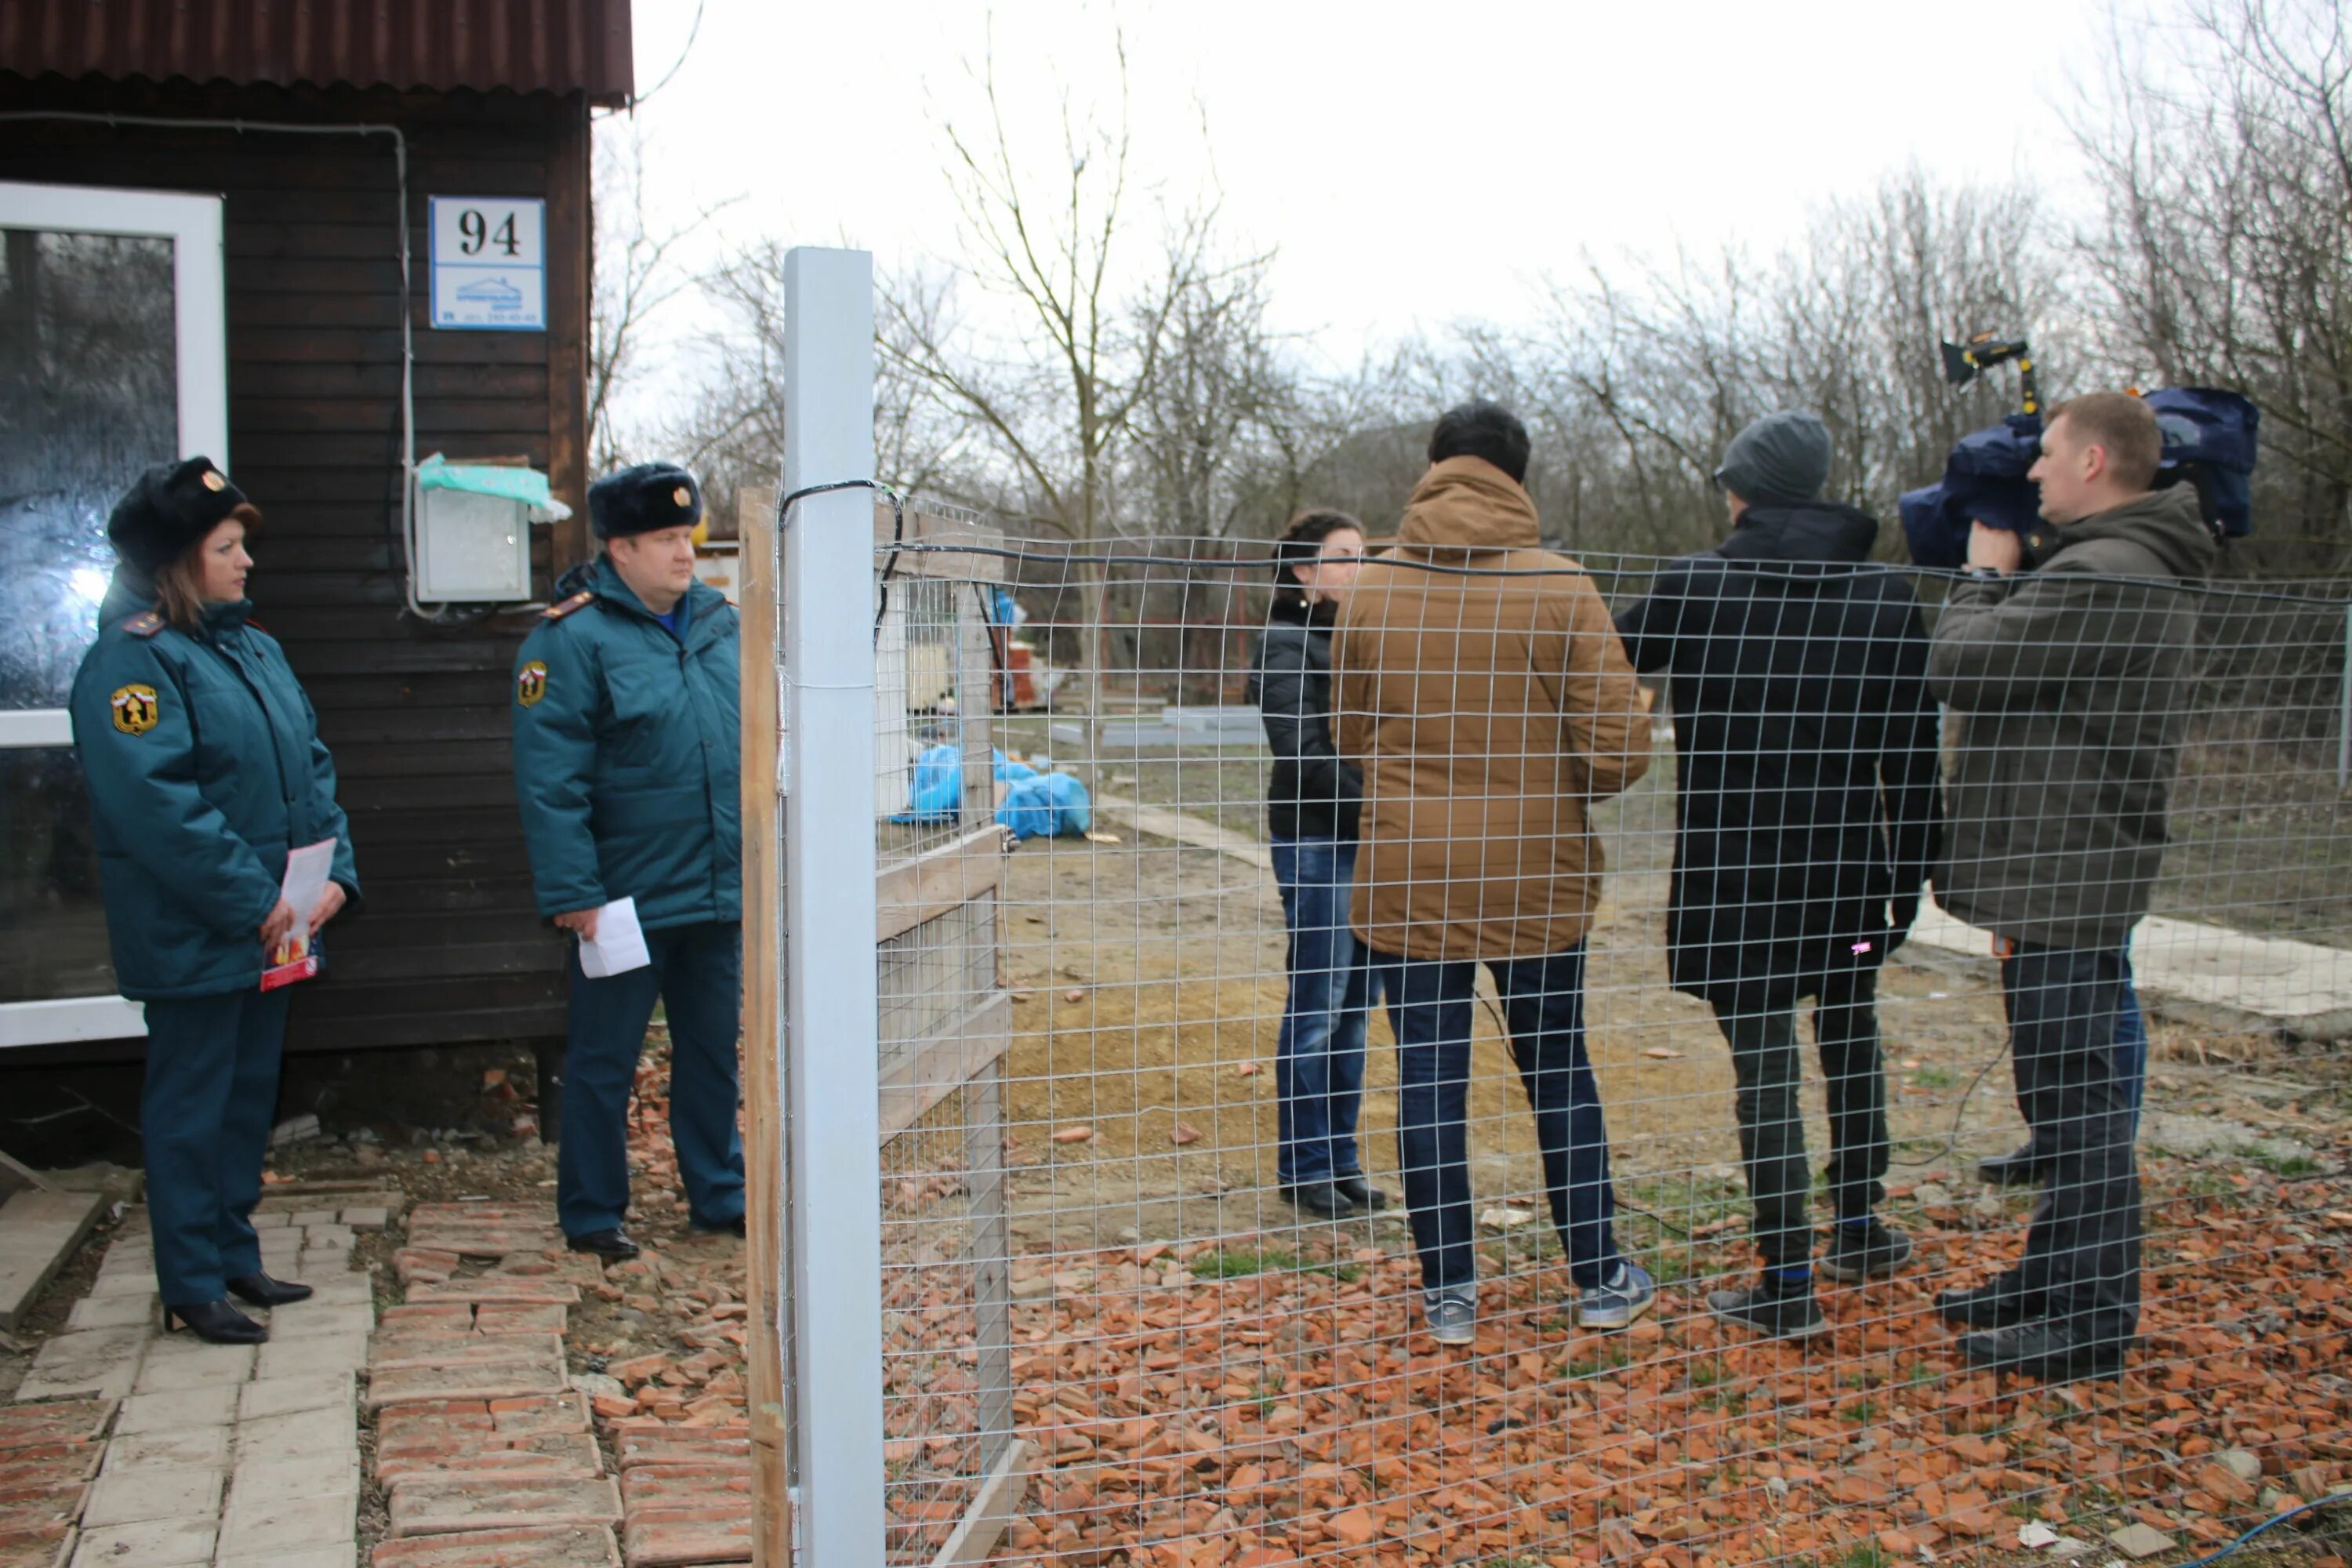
1311,807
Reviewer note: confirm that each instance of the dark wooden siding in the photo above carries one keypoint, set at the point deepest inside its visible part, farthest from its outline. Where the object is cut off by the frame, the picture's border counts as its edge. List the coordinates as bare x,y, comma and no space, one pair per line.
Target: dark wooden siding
447,947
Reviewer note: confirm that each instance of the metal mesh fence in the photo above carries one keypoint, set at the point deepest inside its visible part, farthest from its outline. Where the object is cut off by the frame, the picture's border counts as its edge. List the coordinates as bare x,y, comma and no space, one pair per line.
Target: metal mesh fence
1619,1199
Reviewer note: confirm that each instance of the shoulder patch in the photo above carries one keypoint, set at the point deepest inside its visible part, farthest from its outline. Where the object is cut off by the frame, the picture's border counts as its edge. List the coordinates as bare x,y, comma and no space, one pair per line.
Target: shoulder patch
135,708
579,601
146,623
531,683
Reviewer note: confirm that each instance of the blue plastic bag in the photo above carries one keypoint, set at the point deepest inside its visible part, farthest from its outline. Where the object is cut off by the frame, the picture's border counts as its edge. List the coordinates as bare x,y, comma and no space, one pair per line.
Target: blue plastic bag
1036,805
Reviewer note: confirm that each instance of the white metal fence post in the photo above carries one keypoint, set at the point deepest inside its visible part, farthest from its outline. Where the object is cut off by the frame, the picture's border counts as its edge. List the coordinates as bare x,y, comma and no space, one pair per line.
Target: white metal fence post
833,1172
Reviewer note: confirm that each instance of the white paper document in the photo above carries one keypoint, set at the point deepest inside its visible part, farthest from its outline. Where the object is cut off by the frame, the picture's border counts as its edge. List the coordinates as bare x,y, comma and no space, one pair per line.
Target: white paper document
619,944
307,869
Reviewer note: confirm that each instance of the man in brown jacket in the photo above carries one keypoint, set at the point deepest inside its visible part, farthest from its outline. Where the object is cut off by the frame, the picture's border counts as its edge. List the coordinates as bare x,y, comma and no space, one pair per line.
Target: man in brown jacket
1478,680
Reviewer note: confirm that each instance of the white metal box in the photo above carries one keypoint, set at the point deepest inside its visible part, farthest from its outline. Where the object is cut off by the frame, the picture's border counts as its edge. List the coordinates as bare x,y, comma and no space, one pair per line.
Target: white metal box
471,548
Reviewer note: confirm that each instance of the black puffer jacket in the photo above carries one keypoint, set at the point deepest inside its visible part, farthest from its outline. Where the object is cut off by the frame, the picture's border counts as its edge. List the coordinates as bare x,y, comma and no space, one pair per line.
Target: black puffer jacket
1313,793
2066,687
1805,775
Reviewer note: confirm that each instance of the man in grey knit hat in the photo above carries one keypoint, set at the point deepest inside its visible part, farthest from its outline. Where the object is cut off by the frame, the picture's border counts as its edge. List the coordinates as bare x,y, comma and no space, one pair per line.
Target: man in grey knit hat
1807,814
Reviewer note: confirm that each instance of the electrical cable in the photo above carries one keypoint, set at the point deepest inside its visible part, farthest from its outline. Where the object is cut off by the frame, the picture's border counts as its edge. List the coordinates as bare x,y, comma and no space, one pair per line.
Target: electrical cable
2277,1519
692,32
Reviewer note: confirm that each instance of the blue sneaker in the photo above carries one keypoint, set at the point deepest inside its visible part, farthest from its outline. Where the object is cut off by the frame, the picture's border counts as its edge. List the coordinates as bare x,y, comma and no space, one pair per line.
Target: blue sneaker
1614,1303
1452,1313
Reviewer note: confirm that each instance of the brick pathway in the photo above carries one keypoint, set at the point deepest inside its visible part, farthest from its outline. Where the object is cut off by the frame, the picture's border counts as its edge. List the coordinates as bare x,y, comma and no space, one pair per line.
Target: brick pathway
488,1454
131,1449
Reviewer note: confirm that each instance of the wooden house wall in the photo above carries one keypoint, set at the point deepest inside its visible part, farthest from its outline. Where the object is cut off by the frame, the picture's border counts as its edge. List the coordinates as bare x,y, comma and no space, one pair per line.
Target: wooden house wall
446,946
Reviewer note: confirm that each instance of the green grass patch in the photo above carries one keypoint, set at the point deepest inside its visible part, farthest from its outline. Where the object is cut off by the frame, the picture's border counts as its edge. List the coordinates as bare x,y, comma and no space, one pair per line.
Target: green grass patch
1236,1263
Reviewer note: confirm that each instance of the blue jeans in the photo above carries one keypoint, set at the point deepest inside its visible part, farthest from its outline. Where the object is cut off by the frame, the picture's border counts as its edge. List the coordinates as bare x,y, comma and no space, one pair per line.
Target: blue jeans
697,973
1430,1006
1318,1063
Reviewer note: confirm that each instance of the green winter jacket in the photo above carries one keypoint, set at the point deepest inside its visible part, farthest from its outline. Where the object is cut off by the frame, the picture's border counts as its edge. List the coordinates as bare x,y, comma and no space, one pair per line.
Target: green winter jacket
204,768
627,755
2065,684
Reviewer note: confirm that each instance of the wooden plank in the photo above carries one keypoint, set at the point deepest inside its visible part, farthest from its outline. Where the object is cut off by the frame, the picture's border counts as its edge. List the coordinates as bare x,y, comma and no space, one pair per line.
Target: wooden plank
998,1504
570,239
763,1180
930,885
38,1231
919,1074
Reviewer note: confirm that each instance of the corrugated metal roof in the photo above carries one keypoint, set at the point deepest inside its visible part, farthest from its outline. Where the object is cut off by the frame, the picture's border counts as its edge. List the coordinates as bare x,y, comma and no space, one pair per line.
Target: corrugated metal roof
526,46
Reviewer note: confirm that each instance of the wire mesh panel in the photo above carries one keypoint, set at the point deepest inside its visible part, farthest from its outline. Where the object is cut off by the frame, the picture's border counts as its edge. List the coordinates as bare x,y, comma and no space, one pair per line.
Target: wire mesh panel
1484,1059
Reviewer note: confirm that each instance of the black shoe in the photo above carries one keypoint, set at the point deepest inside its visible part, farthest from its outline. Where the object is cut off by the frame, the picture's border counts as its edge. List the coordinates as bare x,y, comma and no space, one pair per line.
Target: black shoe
2018,1168
613,1246
1862,1252
1324,1200
720,1227
1782,1309
1996,1303
215,1322
2050,1351
261,1290
1361,1193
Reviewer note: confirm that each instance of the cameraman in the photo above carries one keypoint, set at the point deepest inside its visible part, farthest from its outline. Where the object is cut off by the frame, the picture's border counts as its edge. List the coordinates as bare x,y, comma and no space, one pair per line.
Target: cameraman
2063,684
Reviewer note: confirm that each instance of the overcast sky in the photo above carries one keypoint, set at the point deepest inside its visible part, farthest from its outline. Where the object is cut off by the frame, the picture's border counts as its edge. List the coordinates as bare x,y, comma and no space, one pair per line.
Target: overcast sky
1412,166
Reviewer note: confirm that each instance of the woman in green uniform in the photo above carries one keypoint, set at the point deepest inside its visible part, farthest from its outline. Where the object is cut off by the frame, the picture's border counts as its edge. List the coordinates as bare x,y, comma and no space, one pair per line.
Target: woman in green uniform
205,770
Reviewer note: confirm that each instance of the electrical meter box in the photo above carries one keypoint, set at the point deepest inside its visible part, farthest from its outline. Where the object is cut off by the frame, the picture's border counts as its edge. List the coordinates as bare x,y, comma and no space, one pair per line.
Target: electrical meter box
472,530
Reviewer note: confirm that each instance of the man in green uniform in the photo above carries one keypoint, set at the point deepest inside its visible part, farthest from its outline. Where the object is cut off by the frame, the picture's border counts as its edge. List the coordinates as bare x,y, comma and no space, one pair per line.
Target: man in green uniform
626,761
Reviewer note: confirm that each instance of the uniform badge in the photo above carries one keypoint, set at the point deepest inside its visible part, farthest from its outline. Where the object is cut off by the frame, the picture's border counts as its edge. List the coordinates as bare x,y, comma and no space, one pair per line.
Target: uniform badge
214,482
530,684
135,711
683,497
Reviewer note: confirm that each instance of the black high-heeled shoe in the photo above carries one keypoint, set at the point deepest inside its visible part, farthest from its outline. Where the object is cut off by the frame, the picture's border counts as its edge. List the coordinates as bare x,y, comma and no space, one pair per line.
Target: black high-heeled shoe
261,1290
215,1322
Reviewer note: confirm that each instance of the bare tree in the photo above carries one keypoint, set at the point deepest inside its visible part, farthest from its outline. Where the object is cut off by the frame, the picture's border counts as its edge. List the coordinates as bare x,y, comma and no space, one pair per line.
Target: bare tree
1050,405
2223,151
637,273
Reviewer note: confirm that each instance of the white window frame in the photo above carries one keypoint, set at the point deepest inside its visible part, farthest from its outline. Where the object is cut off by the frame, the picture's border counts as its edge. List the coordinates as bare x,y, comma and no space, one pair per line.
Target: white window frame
193,224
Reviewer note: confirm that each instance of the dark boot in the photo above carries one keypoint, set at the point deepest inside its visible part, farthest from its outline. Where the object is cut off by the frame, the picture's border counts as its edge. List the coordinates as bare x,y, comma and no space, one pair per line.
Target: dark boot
1782,1309
2018,1168
1998,1303
1324,1200
215,1322
1864,1251
1361,1193
2049,1351
261,1290
613,1246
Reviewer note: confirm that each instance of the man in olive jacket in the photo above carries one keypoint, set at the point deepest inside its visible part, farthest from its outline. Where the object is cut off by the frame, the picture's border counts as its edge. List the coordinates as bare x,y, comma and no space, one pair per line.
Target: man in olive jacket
2065,682
1479,683
627,752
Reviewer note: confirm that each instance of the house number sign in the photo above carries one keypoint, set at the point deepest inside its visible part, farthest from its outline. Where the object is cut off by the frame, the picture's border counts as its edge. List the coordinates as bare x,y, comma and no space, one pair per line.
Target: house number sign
489,263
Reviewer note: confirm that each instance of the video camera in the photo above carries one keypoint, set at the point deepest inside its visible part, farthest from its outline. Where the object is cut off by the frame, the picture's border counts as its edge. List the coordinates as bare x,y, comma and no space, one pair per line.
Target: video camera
2209,441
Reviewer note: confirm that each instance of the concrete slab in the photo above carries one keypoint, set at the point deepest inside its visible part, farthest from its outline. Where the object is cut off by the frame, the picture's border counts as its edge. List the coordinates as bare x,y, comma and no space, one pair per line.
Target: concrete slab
160,1543
134,1497
303,1435
38,1230
176,1412
130,1309
347,1288
189,1448
306,1357
347,1555
91,1362
2199,974
249,1530
308,1319
291,1395
1187,829
179,1362
293,1481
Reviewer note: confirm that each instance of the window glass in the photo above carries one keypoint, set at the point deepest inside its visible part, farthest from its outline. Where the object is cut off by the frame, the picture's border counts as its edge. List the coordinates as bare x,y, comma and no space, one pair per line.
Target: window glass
88,398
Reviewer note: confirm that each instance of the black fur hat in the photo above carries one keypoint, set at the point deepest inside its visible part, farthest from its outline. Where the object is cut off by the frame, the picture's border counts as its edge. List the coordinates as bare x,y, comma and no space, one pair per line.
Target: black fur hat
168,511
643,498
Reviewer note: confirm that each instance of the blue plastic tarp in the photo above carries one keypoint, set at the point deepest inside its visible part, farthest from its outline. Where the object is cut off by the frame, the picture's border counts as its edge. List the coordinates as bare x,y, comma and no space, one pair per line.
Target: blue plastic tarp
1037,805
